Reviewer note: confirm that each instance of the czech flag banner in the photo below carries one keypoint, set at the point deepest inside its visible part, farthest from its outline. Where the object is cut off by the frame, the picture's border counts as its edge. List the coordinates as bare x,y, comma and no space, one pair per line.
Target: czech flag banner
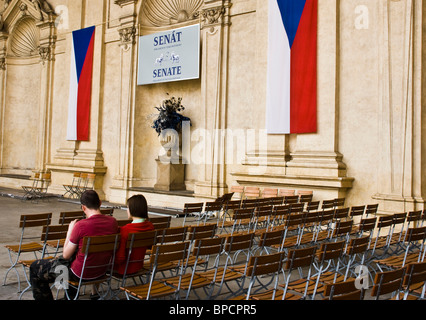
292,67
80,84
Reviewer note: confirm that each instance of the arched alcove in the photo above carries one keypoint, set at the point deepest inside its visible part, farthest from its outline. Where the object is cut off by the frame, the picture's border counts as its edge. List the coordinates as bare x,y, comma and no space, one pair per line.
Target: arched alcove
25,39
21,110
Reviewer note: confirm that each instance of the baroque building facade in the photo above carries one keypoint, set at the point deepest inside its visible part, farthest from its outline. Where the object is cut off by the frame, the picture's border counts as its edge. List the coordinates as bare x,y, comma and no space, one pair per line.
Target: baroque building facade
368,148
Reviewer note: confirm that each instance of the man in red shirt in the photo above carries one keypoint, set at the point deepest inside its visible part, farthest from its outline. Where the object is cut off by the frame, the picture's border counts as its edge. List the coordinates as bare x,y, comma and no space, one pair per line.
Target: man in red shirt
42,272
137,210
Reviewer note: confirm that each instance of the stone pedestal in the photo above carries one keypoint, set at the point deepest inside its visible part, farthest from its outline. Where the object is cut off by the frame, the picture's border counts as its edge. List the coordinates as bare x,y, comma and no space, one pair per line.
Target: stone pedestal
170,176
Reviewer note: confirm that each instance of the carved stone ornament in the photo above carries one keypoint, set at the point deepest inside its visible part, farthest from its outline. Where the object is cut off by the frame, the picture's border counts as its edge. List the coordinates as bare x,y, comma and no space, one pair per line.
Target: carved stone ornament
24,40
160,13
212,15
3,63
45,53
127,36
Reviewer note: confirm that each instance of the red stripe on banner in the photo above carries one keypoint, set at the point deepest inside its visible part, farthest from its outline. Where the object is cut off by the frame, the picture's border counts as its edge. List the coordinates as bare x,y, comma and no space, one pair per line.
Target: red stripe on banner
84,95
303,102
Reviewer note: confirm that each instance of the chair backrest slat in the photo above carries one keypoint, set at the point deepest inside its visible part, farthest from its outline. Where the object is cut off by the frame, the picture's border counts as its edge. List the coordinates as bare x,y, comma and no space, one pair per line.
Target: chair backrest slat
35,220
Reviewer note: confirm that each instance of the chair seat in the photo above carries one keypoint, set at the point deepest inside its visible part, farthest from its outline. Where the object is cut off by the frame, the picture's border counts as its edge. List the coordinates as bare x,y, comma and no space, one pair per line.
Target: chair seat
300,285
229,275
86,282
54,243
197,281
395,262
328,278
278,296
27,247
28,263
158,290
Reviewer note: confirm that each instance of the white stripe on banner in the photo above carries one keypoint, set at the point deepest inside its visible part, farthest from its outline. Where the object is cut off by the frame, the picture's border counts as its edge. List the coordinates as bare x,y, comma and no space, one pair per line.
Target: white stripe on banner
72,105
278,83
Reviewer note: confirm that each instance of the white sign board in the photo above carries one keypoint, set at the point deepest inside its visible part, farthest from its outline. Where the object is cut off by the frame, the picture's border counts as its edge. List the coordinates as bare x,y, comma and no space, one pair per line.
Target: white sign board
173,55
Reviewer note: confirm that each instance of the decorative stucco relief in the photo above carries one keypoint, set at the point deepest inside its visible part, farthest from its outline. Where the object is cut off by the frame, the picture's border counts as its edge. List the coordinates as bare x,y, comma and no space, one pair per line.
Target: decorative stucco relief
160,13
24,41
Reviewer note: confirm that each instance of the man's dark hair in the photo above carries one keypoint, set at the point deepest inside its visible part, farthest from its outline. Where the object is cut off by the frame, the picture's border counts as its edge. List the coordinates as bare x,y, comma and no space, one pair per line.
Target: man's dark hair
138,206
90,199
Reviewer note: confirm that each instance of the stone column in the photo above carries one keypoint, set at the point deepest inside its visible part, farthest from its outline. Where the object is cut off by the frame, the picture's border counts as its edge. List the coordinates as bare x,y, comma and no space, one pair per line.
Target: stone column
215,22
46,51
127,31
3,72
401,55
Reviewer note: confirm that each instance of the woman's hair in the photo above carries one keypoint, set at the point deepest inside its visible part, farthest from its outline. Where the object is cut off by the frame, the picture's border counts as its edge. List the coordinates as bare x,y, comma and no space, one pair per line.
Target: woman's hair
137,206
90,199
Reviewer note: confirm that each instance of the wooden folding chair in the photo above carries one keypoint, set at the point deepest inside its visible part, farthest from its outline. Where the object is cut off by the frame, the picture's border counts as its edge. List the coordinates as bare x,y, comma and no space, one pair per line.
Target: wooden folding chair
105,245
136,246
172,234
380,241
327,260
293,231
291,199
279,214
52,236
40,192
192,210
262,218
201,232
365,226
242,220
339,203
343,291
238,192
87,182
65,217
286,192
206,253
297,259
29,191
312,206
270,241
305,198
26,223
232,268
212,209
398,223
161,254
263,267
415,281
389,282
123,222
251,203
71,189
161,222
107,211
251,192
415,239
371,209
269,192
357,211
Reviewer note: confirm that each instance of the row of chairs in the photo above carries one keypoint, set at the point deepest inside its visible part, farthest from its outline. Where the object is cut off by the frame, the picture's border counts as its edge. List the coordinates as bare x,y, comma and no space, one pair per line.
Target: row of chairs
254,244
254,269
49,244
81,182
217,275
38,188
253,192
201,212
237,273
